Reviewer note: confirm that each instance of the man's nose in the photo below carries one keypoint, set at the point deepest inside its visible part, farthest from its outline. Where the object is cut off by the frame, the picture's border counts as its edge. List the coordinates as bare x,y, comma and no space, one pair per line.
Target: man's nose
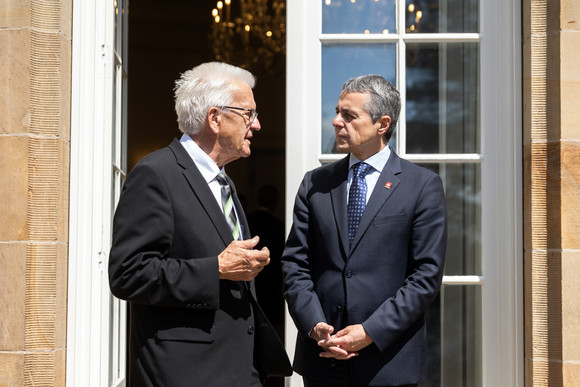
256,125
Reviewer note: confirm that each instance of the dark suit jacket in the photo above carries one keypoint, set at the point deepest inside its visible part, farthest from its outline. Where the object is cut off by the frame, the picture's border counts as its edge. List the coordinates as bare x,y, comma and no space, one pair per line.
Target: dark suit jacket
386,281
187,327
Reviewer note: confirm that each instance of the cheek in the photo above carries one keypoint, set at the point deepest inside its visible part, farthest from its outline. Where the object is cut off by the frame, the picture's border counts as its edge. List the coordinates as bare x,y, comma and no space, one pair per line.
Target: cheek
353,135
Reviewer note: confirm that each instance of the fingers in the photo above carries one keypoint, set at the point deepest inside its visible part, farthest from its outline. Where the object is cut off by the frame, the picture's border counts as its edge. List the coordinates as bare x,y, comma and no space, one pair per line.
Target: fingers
353,338
338,342
335,351
262,255
343,355
346,343
248,243
321,331
240,262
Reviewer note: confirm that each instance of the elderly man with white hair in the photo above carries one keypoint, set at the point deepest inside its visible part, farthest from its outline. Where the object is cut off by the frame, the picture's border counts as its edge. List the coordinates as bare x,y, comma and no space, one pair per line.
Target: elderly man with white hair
182,253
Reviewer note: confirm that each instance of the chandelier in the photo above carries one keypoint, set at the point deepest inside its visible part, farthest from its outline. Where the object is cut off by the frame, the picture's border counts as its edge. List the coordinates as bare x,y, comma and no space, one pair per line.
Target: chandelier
250,33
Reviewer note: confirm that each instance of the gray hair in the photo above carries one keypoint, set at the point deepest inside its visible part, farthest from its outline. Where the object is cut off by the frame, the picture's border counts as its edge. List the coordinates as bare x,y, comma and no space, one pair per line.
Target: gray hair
209,84
384,98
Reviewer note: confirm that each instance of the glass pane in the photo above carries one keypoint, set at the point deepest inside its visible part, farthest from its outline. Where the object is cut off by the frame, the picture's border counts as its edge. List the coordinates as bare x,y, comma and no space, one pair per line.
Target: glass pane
442,16
463,196
454,338
118,25
358,16
442,98
341,62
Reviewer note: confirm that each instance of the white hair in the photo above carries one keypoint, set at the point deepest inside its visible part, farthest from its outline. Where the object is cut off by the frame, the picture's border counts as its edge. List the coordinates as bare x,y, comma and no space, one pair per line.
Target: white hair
209,84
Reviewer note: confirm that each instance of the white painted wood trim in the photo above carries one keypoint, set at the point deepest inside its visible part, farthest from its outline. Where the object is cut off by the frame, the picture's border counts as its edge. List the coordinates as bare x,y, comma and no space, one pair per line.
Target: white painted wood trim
502,218
90,194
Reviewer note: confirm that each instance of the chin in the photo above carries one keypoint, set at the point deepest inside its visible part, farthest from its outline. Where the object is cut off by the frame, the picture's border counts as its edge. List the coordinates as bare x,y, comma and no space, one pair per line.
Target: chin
245,149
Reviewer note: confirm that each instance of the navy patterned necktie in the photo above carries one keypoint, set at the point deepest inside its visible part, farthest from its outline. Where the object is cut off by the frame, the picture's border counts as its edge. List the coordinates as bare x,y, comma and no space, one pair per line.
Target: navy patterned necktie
357,195
228,205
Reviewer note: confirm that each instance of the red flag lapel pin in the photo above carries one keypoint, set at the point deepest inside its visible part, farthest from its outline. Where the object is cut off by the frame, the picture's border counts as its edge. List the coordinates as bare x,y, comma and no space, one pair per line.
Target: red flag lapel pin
388,185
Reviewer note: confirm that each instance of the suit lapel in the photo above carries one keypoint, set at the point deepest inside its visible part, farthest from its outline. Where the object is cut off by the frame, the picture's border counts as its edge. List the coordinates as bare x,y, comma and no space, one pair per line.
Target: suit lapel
386,185
202,192
338,198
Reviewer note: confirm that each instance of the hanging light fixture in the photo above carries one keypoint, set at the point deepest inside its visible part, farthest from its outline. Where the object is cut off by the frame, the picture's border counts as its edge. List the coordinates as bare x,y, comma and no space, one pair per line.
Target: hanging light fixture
249,33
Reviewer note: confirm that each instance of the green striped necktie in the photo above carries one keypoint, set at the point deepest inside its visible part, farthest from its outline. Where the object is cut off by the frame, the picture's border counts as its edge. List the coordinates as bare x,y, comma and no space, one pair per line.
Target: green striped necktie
228,205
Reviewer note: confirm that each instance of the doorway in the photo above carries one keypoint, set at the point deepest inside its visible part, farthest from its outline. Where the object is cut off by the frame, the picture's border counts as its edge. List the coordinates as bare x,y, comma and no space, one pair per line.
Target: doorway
164,40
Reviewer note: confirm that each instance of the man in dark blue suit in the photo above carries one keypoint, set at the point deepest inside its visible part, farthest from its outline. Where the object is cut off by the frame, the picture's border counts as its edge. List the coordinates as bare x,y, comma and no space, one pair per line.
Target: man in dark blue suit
365,255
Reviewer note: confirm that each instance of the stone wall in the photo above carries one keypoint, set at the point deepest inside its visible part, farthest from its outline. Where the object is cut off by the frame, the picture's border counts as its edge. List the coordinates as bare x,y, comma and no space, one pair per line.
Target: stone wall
551,121
35,79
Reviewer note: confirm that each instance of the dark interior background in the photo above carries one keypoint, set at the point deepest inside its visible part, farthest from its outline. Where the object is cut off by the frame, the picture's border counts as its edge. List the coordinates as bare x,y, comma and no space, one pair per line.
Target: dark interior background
168,38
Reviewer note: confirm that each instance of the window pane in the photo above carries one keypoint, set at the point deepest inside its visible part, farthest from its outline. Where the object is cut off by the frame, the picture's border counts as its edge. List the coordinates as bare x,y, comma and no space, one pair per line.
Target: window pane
358,16
442,98
119,21
431,16
341,62
454,338
463,197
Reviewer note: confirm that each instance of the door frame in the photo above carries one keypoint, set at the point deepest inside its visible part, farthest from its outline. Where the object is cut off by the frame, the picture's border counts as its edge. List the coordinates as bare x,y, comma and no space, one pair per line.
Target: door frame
501,124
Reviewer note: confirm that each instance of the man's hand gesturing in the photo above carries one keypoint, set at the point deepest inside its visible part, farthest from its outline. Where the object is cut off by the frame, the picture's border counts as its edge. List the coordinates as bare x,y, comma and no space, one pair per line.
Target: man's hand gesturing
240,262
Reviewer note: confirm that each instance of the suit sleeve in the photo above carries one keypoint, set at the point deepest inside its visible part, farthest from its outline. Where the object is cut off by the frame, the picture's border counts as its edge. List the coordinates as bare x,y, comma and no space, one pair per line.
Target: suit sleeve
426,259
303,302
140,267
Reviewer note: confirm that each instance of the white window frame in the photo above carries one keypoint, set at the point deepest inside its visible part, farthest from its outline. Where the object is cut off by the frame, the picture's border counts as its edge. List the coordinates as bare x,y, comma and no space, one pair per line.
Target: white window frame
90,308
500,159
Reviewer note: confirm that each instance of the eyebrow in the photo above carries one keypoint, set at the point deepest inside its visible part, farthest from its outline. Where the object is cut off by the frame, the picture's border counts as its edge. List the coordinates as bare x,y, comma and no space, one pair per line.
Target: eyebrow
346,110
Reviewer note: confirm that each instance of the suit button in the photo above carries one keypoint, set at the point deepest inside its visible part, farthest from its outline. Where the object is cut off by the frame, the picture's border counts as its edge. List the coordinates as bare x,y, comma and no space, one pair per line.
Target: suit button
188,306
339,308
251,330
348,274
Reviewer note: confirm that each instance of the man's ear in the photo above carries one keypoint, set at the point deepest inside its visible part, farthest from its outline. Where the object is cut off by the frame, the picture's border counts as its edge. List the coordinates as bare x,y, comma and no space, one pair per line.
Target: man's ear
385,124
214,119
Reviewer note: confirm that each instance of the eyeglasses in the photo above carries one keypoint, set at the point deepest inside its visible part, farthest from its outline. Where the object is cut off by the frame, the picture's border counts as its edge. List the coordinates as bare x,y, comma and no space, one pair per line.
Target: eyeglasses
250,119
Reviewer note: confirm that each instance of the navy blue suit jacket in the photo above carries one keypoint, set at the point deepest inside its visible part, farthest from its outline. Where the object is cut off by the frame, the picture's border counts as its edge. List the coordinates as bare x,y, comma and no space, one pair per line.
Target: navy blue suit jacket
385,281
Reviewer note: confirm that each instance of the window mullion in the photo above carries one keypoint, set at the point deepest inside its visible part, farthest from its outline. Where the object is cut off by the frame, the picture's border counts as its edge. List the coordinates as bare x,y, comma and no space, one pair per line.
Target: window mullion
463,37
402,87
463,280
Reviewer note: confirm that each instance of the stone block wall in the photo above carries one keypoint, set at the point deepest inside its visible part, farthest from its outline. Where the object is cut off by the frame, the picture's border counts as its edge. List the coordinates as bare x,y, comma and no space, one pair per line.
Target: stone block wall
551,122
35,82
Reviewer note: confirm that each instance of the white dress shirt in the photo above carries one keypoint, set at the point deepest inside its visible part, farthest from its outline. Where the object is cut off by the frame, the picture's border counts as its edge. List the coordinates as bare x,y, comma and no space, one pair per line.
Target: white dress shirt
377,161
208,168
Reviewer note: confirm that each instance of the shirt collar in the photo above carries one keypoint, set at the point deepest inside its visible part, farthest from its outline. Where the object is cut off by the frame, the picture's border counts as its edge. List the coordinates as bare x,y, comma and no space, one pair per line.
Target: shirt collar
377,161
204,163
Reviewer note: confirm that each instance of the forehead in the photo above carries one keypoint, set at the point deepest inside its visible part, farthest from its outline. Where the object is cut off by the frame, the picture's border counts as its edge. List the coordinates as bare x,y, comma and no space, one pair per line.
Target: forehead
353,101
243,93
